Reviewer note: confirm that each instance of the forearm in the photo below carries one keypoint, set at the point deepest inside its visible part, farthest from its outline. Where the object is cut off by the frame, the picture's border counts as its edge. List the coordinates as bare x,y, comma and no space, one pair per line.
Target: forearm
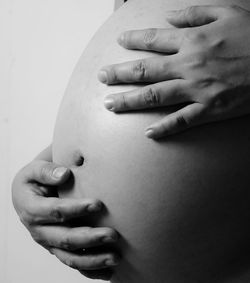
46,154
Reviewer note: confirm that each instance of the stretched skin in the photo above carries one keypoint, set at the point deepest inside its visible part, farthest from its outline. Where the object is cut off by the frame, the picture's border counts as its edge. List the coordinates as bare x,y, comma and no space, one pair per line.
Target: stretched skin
180,204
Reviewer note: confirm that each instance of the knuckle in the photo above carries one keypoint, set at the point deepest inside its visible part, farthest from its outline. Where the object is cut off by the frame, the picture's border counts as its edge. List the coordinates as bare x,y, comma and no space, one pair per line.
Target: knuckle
205,82
66,243
198,60
149,37
189,13
194,37
28,218
235,10
217,44
190,10
112,75
140,70
186,34
218,97
56,213
220,102
198,37
123,103
45,173
151,97
25,218
181,122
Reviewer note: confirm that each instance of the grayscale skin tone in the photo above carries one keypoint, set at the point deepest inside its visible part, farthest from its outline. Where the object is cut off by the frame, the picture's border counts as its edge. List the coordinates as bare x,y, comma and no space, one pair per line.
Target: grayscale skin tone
35,182
35,198
205,66
174,201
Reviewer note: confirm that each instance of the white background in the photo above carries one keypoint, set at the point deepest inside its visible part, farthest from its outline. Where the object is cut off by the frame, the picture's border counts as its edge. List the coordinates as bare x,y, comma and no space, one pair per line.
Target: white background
40,43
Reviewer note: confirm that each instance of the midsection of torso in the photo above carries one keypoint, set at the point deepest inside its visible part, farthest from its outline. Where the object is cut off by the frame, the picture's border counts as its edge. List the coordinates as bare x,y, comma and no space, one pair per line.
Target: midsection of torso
181,205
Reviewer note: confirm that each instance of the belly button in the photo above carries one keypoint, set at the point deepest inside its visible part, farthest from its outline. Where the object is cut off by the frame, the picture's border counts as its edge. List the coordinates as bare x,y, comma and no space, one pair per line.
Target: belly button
78,159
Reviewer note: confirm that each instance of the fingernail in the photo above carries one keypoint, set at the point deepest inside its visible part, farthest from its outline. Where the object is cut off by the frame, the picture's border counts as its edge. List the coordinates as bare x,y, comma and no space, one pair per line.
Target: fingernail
59,172
149,133
94,207
109,103
103,76
111,262
121,39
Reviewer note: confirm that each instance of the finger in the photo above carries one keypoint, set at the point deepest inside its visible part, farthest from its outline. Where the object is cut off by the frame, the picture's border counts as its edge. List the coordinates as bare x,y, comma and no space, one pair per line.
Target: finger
73,238
86,261
176,122
153,69
160,40
156,95
54,210
46,173
102,274
195,15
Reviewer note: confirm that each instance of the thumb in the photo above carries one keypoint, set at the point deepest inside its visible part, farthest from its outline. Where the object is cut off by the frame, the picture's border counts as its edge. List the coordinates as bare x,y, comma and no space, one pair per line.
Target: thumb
195,16
46,173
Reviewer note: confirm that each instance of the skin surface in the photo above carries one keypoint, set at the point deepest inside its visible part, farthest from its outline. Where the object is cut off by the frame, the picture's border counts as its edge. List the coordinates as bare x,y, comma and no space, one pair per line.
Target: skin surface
181,205
35,198
205,65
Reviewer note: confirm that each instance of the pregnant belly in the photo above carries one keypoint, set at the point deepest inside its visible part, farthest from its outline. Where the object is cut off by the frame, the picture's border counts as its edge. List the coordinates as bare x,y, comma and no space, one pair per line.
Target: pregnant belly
181,204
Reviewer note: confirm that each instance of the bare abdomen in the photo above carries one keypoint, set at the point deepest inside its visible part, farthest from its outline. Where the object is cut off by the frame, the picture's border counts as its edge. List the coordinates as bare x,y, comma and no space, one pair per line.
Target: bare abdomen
181,205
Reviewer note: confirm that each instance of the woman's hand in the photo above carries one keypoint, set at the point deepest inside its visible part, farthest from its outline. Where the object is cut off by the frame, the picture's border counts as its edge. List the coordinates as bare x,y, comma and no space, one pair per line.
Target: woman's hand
46,217
205,69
